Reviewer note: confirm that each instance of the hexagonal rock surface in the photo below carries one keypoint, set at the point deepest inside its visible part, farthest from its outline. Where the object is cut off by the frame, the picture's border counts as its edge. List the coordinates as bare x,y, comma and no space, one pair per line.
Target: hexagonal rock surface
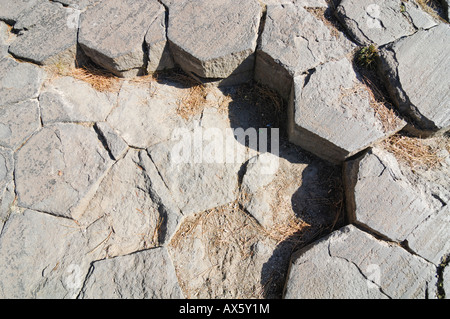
381,22
146,115
112,33
331,113
66,99
214,39
200,166
18,122
291,193
294,41
19,81
48,34
42,256
144,275
11,9
58,166
420,89
351,264
132,207
377,191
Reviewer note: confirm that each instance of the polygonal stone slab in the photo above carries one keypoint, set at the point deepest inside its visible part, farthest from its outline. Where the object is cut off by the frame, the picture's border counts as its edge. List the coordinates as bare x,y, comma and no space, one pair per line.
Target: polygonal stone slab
58,166
146,114
214,39
415,68
18,122
331,113
132,207
352,264
42,256
48,34
381,22
66,99
294,41
112,33
19,81
379,197
200,167
115,144
11,9
145,275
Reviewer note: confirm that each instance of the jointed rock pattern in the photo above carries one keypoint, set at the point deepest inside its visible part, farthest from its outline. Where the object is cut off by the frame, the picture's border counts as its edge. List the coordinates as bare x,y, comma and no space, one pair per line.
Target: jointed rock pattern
152,187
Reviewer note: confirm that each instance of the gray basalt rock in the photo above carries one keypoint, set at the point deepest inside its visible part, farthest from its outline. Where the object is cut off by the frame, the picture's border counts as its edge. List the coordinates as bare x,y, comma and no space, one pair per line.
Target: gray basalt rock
11,9
146,115
381,23
352,264
48,34
405,63
214,39
114,143
66,99
18,122
78,4
132,207
294,41
331,114
377,191
19,81
42,256
144,275
7,195
58,166
112,34
159,56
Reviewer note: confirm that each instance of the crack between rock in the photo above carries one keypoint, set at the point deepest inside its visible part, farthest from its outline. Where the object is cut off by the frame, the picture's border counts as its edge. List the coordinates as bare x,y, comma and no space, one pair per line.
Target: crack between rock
360,271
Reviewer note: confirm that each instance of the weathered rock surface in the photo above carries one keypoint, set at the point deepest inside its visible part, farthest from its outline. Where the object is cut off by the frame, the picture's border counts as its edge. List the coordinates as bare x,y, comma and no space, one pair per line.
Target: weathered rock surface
42,256
66,99
48,34
415,71
112,34
294,41
114,143
78,4
143,275
331,114
19,81
11,9
146,114
7,195
214,39
200,167
4,39
381,22
159,56
58,166
18,122
352,264
132,207
377,191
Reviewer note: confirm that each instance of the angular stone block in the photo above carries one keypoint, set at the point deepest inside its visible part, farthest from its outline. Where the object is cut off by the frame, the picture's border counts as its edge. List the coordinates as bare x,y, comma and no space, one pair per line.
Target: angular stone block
415,69
112,34
214,39
293,42
351,264
330,113
48,34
